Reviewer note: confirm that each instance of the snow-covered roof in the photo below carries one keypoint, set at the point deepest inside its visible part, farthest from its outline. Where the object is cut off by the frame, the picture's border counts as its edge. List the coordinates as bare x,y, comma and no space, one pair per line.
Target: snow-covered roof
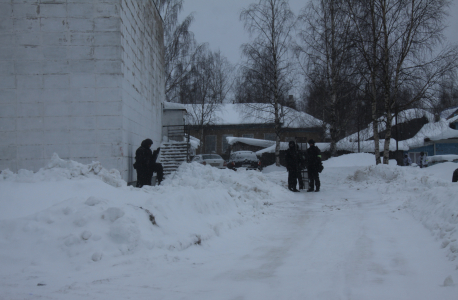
285,146
434,131
248,141
174,106
195,142
369,146
448,112
234,114
412,114
447,133
403,117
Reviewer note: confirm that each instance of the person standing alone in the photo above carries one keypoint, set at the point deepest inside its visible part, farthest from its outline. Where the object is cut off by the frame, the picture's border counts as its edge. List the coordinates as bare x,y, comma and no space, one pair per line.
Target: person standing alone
145,164
314,166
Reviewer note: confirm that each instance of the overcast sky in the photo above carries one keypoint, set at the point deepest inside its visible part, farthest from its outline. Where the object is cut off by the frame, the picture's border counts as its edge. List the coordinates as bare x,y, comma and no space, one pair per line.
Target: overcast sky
217,23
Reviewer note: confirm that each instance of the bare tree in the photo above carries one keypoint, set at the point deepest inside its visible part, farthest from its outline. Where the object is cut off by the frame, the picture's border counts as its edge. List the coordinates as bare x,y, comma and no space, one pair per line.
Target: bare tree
270,23
180,46
326,52
223,77
207,87
367,29
399,41
445,96
410,32
253,85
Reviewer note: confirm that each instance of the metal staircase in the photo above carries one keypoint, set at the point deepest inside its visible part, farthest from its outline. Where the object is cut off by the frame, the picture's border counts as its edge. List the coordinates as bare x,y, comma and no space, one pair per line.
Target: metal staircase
172,155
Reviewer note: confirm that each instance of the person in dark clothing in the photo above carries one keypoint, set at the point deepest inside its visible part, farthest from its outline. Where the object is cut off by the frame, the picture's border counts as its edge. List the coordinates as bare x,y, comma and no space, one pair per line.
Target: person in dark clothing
292,165
145,164
302,166
313,166
455,176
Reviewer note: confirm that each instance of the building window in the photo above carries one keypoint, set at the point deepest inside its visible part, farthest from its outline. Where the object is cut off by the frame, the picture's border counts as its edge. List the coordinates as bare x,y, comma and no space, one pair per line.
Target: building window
414,156
249,136
210,144
225,143
269,136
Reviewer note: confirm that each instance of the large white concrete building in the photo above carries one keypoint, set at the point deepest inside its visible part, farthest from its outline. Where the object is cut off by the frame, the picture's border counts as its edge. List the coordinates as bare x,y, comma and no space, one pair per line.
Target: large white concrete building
82,78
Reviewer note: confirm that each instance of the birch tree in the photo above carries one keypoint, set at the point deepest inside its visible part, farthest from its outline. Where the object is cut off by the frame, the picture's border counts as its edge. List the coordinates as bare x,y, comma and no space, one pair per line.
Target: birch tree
326,52
407,52
207,86
270,24
180,46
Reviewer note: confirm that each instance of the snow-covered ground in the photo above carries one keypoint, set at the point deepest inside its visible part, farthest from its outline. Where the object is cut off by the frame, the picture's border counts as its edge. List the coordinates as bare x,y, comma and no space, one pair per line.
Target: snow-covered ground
73,231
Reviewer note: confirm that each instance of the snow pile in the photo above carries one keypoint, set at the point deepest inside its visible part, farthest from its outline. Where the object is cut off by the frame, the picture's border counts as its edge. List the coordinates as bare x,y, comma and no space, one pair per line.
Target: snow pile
353,160
273,168
431,196
441,158
437,206
83,226
59,169
376,174
438,211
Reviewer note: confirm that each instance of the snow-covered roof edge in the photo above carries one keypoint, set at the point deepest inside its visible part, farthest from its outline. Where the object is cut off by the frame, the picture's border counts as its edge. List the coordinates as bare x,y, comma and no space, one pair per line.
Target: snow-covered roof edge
174,106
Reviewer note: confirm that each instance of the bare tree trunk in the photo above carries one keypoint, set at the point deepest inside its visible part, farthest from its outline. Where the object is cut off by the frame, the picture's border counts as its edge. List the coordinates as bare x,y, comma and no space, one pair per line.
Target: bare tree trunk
272,22
333,123
277,135
375,122
333,126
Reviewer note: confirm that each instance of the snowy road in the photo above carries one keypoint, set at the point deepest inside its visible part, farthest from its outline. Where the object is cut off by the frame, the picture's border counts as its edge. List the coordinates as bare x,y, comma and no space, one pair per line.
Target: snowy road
345,248
356,239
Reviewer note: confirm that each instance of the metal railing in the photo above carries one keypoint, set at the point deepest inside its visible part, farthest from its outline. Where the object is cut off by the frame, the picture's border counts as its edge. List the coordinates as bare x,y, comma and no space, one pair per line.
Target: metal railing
180,133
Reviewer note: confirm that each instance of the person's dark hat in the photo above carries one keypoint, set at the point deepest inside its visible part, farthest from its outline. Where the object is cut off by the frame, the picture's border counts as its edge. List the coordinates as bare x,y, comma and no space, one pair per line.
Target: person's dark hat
311,142
422,153
405,155
291,143
147,143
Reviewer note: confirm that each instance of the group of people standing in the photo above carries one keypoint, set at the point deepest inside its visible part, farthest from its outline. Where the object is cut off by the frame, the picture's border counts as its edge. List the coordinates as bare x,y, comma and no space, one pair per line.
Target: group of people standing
422,160
296,161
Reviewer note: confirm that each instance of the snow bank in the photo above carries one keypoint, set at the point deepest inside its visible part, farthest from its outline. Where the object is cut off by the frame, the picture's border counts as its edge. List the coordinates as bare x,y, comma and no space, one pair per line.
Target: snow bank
441,158
437,209
82,226
59,169
353,160
377,173
431,196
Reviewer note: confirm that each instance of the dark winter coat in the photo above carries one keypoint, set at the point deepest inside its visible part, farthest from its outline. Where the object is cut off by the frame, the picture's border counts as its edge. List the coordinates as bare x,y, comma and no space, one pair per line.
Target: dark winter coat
313,158
145,159
292,159
455,176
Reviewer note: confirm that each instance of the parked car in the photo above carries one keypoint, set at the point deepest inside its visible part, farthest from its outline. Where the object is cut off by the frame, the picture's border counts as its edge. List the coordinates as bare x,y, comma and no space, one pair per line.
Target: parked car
244,159
213,160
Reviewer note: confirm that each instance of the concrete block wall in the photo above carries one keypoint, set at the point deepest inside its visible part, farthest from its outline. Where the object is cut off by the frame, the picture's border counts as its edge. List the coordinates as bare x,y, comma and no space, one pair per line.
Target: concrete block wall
143,82
64,85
